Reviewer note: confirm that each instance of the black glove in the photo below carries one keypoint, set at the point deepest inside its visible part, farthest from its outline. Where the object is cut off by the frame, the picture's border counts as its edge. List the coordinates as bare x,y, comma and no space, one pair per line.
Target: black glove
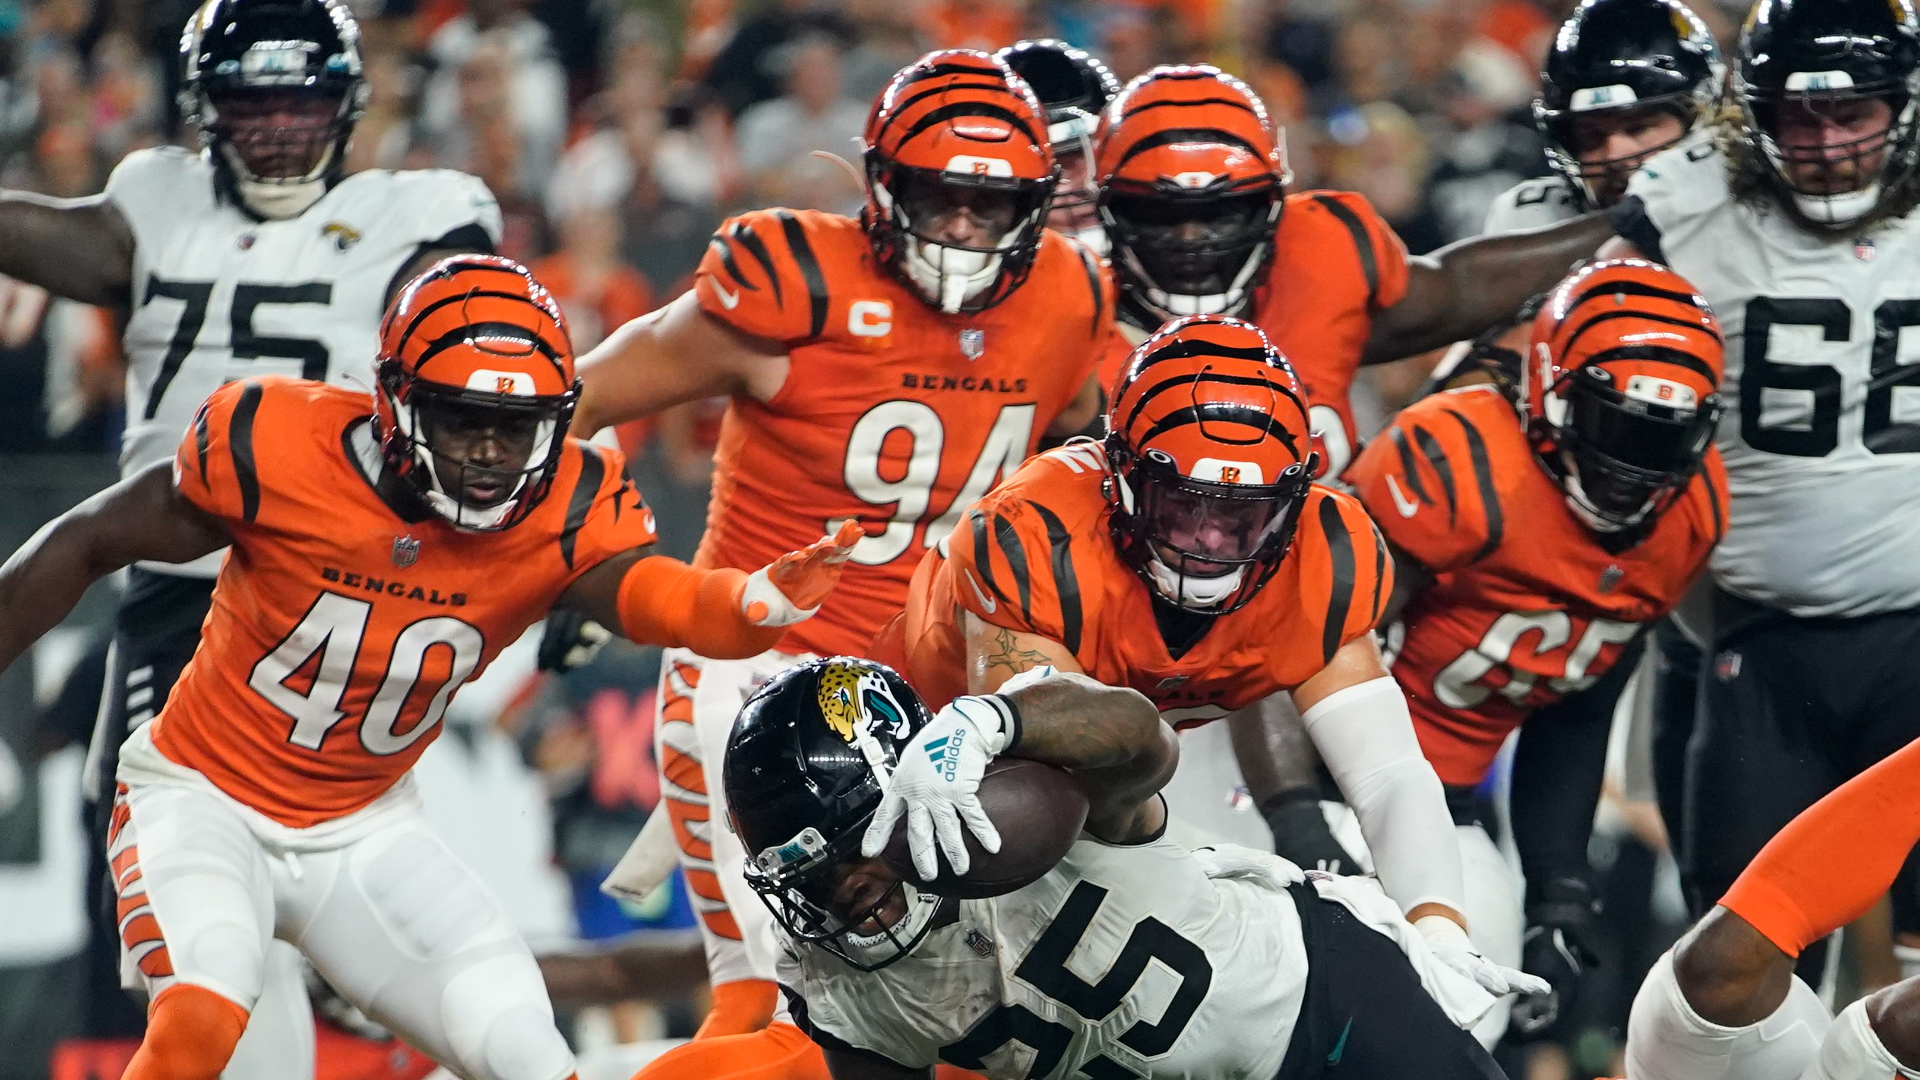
1559,925
1301,835
570,640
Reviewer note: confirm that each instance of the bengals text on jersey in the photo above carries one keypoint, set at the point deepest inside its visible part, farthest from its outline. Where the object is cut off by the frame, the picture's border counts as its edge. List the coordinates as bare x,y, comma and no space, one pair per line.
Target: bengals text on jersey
339,631
1037,556
892,412
1335,263
1528,603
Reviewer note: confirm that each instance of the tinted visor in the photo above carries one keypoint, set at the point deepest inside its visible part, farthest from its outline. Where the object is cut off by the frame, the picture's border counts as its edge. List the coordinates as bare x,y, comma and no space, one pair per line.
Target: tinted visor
1629,453
1192,245
1214,532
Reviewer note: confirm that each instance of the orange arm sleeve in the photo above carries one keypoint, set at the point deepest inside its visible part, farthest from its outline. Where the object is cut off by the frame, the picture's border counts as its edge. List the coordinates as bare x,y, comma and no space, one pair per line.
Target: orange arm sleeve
1830,864
668,603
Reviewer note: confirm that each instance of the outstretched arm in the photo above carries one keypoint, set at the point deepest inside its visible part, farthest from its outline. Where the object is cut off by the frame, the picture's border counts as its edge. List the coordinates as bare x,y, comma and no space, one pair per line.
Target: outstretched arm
141,517
669,357
81,249
1470,286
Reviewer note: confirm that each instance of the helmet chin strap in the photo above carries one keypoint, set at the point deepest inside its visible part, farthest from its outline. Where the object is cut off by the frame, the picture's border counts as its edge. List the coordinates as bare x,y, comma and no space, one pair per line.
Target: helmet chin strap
1582,506
1839,209
921,908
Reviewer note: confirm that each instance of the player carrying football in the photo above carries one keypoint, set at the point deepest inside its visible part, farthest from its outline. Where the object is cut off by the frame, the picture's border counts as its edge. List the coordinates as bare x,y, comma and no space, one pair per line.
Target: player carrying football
1533,542
1133,957
887,370
384,549
1193,559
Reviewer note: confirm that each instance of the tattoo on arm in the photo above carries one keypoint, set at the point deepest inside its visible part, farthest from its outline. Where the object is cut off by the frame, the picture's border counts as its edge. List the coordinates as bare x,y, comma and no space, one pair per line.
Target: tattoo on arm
1005,658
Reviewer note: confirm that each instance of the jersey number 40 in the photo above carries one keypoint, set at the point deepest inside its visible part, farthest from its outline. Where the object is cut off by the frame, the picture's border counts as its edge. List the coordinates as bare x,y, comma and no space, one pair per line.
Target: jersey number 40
334,628
911,495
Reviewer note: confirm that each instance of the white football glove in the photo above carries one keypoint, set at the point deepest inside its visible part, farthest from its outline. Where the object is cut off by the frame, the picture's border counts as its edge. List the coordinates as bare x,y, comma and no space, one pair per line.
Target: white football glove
936,785
1452,947
1234,861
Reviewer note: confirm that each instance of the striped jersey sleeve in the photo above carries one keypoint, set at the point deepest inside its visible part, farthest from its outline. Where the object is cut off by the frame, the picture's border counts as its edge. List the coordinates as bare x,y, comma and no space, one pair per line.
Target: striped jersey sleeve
217,467
1428,480
605,514
763,274
1355,572
1375,249
1014,565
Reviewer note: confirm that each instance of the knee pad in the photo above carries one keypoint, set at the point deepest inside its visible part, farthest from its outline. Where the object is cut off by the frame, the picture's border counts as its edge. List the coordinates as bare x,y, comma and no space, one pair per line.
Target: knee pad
191,1032
1853,1051
1667,1040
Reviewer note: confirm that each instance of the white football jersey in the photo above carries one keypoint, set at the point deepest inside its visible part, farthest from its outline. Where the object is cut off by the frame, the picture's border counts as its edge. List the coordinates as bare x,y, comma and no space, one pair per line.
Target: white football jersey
1821,428
1532,204
219,296
1121,962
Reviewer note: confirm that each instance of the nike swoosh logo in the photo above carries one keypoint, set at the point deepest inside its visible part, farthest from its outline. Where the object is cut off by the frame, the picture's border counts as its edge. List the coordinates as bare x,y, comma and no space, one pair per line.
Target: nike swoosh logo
986,601
1340,1047
1406,506
729,300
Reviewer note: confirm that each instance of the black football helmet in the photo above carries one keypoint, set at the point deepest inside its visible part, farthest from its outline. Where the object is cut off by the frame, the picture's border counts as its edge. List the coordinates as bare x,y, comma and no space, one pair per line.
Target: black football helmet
805,765
1073,86
1821,54
1614,55
275,88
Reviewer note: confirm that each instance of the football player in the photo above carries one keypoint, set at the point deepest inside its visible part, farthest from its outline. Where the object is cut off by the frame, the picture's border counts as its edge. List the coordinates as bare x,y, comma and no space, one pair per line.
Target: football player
252,255
384,548
1797,227
1218,962
1074,87
1193,194
1193,559
887,370
1725,1002
1533,541
1623,80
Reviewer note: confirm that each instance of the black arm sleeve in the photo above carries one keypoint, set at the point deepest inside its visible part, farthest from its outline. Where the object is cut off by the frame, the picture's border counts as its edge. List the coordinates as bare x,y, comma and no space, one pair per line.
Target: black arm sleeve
1557,772
1631,223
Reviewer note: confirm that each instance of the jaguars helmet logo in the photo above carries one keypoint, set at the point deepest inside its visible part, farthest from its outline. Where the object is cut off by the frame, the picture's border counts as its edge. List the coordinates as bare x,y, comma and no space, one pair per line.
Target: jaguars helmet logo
854,701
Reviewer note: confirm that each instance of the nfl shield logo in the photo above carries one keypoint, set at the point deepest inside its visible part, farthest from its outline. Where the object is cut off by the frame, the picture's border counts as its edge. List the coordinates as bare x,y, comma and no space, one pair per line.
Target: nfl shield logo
405,550
973,342
1863,248
1610,578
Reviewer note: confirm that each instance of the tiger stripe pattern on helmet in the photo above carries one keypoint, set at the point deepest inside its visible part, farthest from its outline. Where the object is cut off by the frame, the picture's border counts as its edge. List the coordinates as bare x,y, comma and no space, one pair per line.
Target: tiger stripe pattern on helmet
1204,382
491,309
960,118
1175,124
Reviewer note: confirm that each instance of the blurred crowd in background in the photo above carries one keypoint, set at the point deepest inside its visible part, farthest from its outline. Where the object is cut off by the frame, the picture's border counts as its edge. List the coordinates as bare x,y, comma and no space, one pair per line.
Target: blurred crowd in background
617,135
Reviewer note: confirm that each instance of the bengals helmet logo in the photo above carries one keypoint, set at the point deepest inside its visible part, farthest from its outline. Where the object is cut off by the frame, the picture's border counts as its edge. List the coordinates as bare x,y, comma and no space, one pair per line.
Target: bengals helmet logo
503,384
1229,474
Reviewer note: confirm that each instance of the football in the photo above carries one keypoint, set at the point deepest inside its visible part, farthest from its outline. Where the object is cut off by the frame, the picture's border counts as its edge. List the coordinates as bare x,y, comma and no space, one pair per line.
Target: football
1039,811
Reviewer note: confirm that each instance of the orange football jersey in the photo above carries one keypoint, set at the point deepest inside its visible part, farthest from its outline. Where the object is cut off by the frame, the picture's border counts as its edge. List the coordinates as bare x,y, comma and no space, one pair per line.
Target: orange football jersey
339,631
893,412
1527,604
1335,263
1037,556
